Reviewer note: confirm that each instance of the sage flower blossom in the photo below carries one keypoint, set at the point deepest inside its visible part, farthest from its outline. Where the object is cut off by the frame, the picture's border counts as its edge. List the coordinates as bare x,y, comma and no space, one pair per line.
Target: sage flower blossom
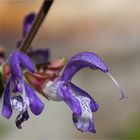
27,23
40,57
18,95
79,101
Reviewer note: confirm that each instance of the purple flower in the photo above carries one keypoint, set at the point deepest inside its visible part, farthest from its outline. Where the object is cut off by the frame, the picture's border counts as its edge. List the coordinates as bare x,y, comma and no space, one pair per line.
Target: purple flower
27,23
79,101
18,95
40,57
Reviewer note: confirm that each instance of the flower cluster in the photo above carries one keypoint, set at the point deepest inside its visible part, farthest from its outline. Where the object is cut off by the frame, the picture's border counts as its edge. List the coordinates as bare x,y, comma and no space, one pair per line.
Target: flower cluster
18,95
24,80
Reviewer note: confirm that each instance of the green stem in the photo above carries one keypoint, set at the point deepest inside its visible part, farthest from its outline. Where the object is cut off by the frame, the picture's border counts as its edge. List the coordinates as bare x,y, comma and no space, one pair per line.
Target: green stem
36,25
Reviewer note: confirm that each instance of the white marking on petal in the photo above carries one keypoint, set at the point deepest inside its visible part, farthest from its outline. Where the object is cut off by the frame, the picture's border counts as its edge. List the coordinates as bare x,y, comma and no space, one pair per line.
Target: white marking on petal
16,105
19,105
86,116
51,90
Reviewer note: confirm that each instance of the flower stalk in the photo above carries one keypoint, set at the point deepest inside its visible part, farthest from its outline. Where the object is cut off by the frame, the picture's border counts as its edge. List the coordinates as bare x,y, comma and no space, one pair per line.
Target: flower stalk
36,25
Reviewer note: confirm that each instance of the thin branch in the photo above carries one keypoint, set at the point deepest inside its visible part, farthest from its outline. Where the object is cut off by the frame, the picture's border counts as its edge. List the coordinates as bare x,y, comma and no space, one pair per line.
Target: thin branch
36,25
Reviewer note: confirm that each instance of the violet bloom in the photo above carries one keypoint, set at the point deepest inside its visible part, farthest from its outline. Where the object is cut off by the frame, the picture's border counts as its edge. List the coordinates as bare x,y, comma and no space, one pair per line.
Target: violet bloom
27,23
40,57
79,101
18,95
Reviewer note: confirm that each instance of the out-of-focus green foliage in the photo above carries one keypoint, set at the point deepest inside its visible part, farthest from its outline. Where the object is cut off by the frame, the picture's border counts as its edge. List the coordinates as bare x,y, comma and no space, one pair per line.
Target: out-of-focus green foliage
1,82
130,131
3,129
133,131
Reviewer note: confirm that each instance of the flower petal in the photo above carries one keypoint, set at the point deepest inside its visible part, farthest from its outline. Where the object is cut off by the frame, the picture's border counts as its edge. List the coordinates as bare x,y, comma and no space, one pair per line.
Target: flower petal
40,56
7,111
16,59
36,105
70,99
21,118
25,61
79,92
28,23
84,122
82,60
15,65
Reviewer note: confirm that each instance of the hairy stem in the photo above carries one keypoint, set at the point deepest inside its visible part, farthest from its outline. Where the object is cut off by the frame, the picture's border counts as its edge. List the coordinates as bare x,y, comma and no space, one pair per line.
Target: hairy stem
36,25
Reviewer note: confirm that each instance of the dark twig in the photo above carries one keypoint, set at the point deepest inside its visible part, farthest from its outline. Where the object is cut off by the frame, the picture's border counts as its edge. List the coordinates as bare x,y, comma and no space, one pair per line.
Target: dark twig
36,25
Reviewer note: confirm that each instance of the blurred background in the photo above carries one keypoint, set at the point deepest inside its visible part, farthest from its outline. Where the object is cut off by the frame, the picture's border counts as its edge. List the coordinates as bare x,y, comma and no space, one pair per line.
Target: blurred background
110,28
